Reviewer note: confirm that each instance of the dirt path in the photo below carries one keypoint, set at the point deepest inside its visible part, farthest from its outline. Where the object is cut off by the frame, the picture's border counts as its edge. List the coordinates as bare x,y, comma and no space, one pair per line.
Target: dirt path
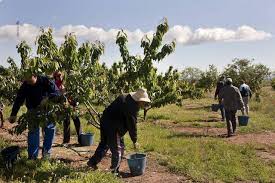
266,138
77,157
265,141
208,131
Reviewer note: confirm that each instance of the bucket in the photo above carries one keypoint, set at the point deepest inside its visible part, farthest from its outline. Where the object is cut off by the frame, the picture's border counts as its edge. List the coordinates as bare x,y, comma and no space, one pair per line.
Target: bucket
215,107
10,155
87,139
243,120
137,163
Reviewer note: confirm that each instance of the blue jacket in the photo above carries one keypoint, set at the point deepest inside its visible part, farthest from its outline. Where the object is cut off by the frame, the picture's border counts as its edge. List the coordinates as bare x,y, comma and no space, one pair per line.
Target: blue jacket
34,94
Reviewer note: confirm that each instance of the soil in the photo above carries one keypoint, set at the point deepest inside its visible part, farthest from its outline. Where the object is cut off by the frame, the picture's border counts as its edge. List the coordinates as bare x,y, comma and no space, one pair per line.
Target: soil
266,140
77,157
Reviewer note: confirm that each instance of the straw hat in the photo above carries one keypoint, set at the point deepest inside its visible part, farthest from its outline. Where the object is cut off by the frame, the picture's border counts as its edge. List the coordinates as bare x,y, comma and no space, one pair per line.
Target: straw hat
140,95
229,80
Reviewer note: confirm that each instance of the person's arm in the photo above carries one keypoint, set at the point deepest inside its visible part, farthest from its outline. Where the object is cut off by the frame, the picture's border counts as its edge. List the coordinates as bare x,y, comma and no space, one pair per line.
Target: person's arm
20,98
250,92
52,89
131,124
1,105
218,89
240,100
216,92
220,95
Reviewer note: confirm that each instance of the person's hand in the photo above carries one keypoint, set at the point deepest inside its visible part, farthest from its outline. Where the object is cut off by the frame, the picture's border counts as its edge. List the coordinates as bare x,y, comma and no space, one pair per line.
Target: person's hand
12,119
136,146
242,111
66,104
44,101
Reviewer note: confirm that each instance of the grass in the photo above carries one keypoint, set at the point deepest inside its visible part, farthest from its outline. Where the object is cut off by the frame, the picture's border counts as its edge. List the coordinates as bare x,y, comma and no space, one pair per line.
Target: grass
191,111
206,159
197,113
50,171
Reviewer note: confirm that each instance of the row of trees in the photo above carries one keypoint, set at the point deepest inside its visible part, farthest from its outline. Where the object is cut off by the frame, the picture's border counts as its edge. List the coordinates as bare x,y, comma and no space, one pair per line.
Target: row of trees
238,70
91,82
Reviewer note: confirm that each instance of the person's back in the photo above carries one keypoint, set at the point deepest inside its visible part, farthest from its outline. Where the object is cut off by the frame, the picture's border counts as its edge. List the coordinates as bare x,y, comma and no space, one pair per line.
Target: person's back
34,94
220,85
246,93
113,111
117,114
232,100
245,90
231,97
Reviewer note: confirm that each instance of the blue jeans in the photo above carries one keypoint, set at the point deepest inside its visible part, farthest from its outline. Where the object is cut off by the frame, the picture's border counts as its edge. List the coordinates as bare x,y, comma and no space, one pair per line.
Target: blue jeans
34,139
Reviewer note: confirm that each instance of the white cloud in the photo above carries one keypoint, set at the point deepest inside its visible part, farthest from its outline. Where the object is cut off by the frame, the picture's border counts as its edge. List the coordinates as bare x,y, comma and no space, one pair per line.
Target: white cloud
28,32
183,34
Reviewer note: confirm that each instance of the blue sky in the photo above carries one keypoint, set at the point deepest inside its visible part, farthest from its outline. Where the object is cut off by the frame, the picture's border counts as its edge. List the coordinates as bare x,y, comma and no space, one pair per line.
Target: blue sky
213,45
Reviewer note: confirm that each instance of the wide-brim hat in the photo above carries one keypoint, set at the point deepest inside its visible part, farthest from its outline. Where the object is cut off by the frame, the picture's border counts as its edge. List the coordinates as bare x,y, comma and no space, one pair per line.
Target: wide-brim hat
140,95
229,80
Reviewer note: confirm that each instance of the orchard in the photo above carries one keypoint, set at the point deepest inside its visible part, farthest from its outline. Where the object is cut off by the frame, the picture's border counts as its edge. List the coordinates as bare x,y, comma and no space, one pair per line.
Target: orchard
182,138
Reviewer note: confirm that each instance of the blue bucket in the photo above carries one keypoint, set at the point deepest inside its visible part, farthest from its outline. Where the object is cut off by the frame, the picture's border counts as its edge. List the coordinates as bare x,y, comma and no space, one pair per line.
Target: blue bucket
137,163
243,120
87,139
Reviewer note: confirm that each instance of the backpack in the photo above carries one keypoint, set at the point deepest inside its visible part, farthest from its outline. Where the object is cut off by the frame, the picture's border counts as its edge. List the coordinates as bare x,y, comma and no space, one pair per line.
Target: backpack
245,92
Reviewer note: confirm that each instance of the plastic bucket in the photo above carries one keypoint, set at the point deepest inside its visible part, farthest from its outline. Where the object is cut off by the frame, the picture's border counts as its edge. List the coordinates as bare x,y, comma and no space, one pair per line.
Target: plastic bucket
137,163
215,107
10,152
10,155
243,120
87,139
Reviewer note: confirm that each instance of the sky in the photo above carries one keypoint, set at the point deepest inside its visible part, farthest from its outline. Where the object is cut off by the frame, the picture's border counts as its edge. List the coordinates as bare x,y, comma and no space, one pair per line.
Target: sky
206,31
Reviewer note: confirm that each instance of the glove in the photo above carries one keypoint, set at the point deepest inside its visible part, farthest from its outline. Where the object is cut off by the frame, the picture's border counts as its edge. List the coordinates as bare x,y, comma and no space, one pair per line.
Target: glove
242,111
12,119
136,146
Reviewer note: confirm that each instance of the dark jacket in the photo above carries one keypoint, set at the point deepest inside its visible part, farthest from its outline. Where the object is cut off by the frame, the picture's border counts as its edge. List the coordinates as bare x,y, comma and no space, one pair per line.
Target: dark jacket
231,97
34,94
121,116
220,85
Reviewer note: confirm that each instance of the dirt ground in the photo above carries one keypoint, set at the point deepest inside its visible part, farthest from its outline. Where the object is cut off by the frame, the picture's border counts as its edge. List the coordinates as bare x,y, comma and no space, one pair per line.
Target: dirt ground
264,140
77,157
